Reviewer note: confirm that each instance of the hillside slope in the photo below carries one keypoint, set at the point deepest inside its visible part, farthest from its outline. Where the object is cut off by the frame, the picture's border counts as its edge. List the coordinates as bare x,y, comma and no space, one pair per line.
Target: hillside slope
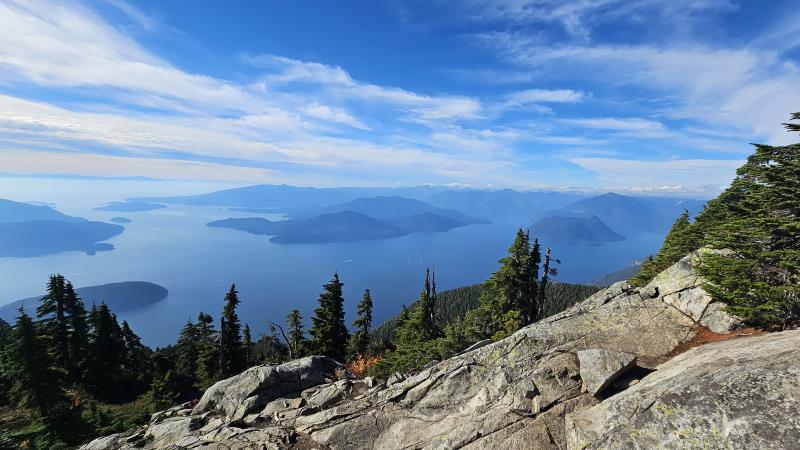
551,385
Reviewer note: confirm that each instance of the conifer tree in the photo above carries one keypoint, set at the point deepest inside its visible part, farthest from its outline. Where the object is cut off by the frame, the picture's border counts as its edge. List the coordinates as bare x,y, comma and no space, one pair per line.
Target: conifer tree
330,335
531,313
359,341
546,272
189,342
53,316
31,370
247,346
681,240
135,362
208,350
78,334
230,339
793,126
297,339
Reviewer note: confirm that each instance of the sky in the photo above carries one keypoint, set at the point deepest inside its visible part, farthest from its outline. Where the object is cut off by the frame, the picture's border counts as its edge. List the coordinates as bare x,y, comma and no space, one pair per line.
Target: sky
641,96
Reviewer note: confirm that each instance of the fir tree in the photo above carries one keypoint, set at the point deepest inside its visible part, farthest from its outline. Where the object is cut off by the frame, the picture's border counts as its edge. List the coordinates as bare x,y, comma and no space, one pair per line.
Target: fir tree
189,342
79,334
793,126
328,329
247,346
230,338
359,341
53,316
533,312
31,370
681,240
208,350
297,339
547,271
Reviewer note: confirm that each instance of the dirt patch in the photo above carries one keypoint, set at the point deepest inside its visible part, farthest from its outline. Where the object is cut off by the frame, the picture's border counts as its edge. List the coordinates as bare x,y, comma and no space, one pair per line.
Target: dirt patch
702,337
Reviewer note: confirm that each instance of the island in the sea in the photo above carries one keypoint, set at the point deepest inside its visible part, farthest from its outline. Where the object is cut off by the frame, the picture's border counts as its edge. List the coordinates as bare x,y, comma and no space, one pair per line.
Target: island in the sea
359,220
120,297
575,230
120,220
28,230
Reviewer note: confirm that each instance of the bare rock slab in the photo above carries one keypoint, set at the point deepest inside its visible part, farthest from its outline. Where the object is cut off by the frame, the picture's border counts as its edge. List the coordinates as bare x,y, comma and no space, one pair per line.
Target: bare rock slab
599,367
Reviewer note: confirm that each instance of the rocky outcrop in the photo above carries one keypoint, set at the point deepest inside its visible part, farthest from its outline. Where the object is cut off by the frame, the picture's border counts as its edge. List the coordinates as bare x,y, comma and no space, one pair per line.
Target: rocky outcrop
251,390
535,389
599,367
742,393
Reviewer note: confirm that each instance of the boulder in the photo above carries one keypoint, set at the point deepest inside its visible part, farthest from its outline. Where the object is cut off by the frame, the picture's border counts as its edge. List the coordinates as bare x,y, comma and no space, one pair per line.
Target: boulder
741,393
600,367
251,390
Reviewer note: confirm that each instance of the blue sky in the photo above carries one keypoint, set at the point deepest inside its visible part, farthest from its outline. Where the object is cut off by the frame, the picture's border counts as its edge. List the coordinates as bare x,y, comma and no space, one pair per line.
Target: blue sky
635,95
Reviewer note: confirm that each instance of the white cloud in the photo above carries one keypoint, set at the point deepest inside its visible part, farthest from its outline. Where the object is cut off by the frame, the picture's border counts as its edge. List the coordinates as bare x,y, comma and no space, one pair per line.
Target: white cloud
88,164
747,89
337,82
544,96
687,175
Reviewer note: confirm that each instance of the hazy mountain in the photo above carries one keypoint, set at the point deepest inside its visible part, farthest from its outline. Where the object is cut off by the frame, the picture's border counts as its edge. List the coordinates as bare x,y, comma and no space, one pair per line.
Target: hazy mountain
11,211
43,237
119,297
574,230
33,230
393,208
502,204
361,219
334,227
263,196
627,215
130,206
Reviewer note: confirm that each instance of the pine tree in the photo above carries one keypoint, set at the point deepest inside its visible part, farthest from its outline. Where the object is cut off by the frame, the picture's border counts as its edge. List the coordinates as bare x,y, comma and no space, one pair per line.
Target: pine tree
79,334
533,312
793,126
189,342
208,371
106,351
53,316
247,346
297,339
135,362
34,378
359,341
230,338
330,335
681,240
547,271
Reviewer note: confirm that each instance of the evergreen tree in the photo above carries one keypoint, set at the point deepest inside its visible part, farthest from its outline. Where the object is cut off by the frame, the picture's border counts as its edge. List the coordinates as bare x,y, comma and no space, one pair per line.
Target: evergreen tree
230,338
546,272
208,350
247,346
534,310
79,334
793,126
34,378
53,316
681,240
330,335
135,362
359,341
189,342
297,339
106,352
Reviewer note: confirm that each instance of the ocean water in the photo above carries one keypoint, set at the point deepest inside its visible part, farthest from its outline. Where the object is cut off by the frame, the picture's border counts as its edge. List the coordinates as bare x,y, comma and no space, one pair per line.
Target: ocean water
197,264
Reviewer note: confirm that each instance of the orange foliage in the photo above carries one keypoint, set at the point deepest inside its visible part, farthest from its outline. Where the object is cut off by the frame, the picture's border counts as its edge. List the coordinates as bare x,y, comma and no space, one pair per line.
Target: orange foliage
362,364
